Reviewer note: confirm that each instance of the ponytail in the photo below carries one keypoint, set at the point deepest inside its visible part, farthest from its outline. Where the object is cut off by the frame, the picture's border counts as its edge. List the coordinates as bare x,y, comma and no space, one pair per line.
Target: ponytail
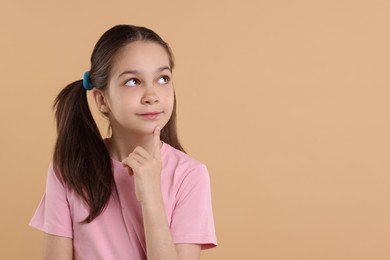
80,155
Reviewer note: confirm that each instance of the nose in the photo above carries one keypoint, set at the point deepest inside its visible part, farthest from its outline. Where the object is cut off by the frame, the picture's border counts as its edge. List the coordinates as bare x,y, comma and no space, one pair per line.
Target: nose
150,97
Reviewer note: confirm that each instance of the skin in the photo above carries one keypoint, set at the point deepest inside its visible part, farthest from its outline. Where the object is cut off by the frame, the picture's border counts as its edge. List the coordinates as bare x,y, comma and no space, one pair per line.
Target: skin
140,82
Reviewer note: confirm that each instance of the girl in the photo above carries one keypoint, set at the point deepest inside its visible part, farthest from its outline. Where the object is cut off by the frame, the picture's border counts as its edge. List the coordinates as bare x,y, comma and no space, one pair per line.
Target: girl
135,195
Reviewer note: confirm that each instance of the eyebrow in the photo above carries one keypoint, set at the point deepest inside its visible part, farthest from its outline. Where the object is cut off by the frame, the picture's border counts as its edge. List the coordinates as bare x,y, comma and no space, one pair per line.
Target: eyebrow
135,72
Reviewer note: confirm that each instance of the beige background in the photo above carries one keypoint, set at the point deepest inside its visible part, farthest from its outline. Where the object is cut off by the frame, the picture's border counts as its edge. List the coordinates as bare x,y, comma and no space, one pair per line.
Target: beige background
287,102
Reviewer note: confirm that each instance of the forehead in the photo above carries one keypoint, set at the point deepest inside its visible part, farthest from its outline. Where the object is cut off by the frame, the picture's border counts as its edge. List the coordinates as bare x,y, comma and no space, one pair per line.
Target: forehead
140,55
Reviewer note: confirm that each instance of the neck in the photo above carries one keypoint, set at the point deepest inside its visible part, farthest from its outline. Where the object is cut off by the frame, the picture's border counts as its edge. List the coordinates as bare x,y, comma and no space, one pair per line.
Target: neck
120,146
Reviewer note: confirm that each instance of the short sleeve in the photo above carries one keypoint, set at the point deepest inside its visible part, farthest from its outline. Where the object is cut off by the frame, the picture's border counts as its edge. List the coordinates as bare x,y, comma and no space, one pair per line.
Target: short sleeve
192,218
53,215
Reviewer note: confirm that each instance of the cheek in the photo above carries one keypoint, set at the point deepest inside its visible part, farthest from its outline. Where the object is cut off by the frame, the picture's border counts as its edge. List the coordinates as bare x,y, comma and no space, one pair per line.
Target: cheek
170,100
165,93
124,102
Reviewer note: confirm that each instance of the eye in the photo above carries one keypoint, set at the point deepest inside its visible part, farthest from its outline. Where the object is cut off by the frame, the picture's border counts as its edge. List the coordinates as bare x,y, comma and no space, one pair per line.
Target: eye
132,82
164,80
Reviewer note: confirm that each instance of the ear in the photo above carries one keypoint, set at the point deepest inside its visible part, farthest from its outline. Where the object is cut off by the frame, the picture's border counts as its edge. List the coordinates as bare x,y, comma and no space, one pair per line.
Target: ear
100,100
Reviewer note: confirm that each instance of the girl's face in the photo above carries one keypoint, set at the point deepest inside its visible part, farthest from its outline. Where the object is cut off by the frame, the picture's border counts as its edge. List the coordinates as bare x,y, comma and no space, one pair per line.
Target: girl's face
139,96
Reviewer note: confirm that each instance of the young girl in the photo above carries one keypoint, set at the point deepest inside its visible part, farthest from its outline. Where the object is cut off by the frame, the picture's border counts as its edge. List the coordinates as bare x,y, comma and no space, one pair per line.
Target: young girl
135,195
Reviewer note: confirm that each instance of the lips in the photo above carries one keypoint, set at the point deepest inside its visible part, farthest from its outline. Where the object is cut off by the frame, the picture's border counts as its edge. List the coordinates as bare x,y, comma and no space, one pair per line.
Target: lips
150,115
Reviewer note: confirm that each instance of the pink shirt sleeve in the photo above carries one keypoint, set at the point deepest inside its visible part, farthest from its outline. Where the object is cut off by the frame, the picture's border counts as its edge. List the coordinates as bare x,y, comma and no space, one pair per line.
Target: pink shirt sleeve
53,215
192,219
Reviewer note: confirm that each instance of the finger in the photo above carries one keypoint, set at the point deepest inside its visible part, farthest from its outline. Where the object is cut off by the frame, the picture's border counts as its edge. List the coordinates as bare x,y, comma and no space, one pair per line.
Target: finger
131,162
139,158
129,170
157,142
139,154
140,151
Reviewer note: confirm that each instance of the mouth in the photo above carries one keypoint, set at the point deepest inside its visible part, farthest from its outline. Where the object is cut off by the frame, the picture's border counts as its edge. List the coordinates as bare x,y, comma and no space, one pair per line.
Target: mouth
150,115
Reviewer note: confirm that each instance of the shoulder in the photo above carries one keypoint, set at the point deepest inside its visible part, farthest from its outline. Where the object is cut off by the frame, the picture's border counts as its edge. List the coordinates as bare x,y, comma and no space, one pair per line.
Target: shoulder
54,177
176,157
181,163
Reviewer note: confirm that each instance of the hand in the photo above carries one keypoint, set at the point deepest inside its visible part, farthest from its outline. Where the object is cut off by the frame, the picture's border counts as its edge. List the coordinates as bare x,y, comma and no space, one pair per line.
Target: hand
146,168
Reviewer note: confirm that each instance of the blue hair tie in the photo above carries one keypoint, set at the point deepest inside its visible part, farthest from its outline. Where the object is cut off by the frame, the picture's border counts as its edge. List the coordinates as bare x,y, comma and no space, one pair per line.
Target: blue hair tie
87,81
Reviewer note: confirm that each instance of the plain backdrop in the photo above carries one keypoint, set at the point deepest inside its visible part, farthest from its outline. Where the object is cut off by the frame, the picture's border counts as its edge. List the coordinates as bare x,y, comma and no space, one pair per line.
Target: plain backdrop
285,101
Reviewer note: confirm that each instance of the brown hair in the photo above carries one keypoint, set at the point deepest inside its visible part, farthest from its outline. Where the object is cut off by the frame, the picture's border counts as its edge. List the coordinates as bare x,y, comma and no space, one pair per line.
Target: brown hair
80,156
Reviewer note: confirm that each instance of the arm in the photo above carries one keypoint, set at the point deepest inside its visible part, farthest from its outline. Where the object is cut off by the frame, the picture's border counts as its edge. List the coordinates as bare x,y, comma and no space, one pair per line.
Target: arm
158,237
188,251
146,168
56,247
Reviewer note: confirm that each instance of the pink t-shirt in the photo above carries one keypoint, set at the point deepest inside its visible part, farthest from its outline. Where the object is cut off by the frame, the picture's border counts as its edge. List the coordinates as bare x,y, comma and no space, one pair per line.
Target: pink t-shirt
118,232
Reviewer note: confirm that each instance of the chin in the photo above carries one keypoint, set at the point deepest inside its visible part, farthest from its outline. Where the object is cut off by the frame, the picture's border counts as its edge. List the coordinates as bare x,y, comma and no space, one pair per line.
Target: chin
147,130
